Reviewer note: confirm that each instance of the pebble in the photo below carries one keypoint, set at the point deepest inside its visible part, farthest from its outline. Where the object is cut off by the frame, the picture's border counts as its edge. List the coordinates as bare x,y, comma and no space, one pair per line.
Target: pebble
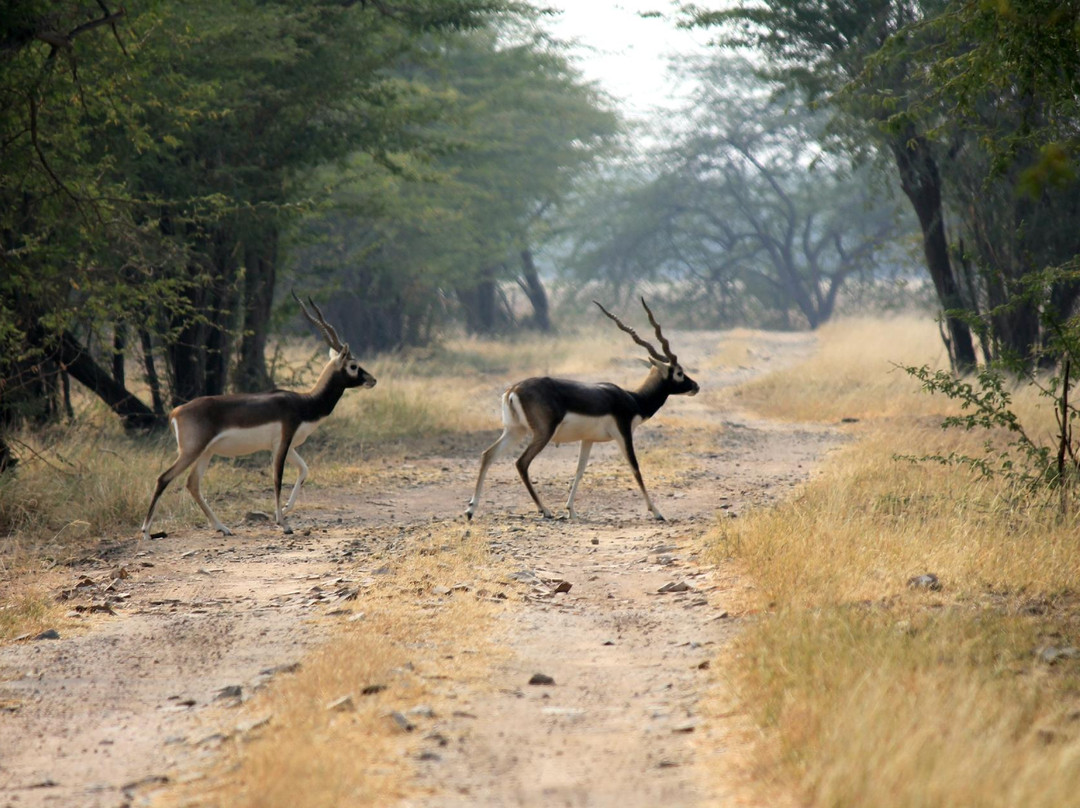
926,581
345,704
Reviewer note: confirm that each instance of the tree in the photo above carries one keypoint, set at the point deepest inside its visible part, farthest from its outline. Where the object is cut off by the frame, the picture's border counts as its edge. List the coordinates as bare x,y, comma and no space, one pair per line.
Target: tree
1008,76
747,218
977,105
149,160
821,48
72,235
537,131
403,237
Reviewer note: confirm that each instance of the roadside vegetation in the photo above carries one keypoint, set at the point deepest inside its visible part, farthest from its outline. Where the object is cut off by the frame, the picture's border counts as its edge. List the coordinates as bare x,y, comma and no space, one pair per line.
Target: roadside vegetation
873,685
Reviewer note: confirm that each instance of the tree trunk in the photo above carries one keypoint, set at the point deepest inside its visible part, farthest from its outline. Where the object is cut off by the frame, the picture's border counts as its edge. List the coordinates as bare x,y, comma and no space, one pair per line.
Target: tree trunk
77,361
921,182
260,276
480,306
152,379
185,359
222,311
534,290
119,348
199,356
367,324
29,385
8,460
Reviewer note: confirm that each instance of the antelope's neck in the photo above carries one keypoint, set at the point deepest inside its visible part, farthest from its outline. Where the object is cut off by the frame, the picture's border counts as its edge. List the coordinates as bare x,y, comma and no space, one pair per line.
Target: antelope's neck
651,394
325,394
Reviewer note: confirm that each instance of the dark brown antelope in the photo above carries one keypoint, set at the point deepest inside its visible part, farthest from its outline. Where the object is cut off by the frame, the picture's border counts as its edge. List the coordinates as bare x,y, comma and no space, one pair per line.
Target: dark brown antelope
243,423
563,411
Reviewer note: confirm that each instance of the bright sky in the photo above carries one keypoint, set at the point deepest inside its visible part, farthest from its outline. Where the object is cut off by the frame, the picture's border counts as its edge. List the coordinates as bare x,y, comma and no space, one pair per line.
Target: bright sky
625,53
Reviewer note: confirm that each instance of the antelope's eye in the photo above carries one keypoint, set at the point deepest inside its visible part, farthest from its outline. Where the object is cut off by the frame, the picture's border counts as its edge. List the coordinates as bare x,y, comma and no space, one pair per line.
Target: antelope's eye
677,374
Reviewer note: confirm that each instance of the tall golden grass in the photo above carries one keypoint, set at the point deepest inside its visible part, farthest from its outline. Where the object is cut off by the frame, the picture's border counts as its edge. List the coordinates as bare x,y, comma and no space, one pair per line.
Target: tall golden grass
853,374
871,692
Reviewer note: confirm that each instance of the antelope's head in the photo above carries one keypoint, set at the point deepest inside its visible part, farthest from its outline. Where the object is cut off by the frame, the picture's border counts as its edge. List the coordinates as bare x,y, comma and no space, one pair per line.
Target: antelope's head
344,362
665,365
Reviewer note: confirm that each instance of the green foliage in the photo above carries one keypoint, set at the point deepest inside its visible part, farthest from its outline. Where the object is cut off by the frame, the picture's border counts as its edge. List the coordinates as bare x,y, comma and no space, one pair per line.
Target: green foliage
518,130
150,158
985,405
743,215
1009,451
975,104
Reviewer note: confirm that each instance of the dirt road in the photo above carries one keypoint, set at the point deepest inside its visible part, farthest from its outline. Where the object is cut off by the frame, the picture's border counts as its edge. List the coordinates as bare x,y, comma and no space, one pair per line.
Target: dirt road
109,714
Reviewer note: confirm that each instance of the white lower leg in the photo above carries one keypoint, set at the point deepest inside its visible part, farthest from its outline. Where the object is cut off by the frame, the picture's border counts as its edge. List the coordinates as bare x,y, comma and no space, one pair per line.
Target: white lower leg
301,475
491,454
583,459
194,487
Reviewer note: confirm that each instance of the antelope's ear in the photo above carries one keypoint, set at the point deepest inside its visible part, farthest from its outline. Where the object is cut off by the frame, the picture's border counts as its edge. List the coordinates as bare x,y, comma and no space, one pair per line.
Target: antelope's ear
340,356
656,363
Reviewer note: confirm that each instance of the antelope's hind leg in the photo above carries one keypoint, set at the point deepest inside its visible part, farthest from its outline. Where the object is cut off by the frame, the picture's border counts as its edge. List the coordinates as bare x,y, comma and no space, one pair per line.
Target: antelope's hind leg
171,473
536,445
490,455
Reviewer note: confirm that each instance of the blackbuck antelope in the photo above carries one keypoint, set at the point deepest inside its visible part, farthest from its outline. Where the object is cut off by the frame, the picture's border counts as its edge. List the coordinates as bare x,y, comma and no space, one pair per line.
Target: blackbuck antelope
563,411
244,423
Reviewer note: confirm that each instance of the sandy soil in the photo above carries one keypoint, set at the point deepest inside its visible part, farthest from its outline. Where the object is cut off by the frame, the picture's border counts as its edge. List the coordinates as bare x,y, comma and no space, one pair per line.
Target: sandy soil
109,714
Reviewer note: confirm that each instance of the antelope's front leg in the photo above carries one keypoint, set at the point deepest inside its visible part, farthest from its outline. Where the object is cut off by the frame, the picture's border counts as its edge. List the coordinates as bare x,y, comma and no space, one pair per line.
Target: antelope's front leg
626,443
281,452
301,475
583,459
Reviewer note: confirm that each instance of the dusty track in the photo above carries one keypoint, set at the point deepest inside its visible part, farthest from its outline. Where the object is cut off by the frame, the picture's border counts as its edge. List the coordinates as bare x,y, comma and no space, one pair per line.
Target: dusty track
109,714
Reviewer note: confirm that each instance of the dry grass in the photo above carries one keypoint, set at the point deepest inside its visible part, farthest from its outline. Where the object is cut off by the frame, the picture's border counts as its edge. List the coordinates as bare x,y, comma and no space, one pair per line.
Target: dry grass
26,607
870,523
852,375
76,485
912,707
870,692
419,644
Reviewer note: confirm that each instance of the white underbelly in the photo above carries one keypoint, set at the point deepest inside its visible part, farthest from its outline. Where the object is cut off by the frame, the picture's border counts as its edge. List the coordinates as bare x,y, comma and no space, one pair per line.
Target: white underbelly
237,442
594,428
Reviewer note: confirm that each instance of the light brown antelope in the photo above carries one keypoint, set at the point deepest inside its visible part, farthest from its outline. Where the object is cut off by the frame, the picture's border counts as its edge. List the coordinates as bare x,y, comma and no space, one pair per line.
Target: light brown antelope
243,423
563,411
